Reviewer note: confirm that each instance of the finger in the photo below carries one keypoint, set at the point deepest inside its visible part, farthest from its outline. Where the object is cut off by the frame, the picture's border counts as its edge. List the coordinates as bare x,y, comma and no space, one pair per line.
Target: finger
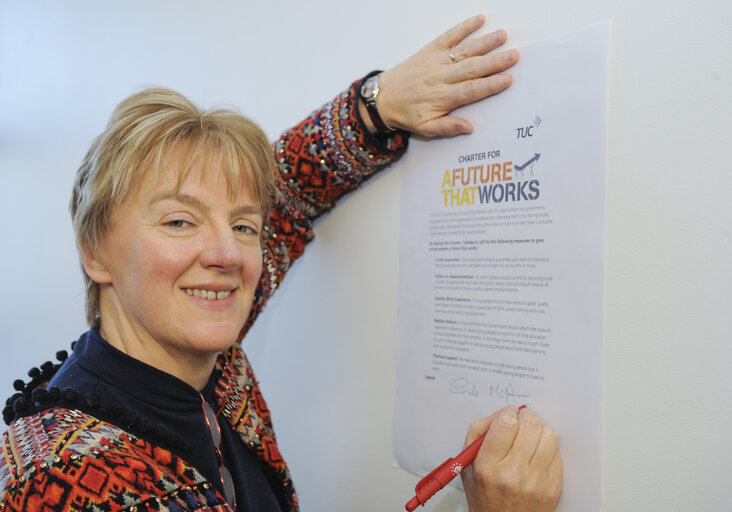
479,427
545,484
554,481
528,436
471,91
459,32
478,45
445,126
481,66
547,450
500,436
557,468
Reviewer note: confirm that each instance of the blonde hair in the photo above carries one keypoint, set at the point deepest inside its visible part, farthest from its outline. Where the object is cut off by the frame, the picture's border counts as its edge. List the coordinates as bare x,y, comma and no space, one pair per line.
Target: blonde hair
143,130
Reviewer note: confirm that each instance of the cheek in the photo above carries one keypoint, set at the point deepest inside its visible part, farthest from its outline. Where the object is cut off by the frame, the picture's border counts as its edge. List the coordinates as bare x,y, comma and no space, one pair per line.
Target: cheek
253,264
160,263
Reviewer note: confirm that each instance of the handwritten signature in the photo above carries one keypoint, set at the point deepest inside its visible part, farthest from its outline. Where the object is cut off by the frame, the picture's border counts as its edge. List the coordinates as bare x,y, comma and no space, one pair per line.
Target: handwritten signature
463,386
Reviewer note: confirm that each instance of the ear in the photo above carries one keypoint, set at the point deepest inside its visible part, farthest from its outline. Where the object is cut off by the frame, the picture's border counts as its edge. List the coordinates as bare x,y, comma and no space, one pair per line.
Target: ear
94,266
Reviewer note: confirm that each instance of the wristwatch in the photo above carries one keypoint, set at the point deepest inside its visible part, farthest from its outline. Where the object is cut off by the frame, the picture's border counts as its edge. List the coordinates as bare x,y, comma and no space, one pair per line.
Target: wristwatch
369,91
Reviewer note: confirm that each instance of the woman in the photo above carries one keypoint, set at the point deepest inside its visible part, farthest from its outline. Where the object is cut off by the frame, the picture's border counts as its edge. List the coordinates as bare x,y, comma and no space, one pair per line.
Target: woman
186,226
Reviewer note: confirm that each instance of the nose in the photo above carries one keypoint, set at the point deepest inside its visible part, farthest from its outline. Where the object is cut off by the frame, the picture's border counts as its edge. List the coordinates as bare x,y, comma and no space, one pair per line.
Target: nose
221,250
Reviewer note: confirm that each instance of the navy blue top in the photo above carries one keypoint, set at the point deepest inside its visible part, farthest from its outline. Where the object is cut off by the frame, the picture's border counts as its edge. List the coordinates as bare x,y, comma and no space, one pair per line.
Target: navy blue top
162,399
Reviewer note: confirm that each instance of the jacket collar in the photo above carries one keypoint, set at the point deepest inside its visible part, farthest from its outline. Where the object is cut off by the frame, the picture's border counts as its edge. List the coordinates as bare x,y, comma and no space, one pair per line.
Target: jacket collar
242,404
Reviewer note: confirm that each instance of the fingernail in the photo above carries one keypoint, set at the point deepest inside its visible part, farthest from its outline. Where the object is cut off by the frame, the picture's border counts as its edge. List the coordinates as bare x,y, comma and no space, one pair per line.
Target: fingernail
522,407
497,36
505,79
508,56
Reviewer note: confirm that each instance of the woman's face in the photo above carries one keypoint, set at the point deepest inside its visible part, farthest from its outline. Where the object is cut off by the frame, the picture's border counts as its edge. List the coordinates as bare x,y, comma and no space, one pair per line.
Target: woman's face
178,270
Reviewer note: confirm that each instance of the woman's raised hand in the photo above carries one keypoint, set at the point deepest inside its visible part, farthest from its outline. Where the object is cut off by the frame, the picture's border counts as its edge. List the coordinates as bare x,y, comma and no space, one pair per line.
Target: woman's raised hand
419,94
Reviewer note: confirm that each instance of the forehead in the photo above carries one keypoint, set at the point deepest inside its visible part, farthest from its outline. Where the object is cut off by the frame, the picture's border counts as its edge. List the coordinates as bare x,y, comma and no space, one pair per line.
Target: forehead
203,169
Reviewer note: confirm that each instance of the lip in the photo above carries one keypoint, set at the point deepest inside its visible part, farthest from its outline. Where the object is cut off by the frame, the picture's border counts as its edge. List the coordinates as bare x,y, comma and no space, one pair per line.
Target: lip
211,287
222,305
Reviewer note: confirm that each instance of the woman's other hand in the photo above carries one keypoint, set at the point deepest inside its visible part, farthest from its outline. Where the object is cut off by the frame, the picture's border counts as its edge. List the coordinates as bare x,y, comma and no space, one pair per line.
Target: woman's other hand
419,94
518,467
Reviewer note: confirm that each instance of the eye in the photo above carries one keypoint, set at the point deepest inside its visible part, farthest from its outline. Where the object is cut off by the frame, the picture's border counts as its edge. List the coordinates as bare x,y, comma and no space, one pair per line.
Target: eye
178,223
245,228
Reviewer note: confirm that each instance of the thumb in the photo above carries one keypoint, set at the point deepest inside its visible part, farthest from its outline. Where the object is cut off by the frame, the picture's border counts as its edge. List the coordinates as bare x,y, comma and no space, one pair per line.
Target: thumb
444,126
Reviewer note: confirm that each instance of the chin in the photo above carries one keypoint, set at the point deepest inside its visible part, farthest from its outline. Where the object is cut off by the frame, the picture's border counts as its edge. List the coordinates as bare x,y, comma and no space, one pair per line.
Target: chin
211,341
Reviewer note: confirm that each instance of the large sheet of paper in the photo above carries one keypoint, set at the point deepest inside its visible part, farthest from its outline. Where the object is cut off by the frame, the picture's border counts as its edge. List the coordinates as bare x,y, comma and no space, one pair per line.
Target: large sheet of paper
501,266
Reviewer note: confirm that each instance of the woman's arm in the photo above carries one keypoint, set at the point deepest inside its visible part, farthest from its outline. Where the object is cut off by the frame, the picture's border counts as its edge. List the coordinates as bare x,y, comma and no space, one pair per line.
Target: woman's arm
318,161
337,147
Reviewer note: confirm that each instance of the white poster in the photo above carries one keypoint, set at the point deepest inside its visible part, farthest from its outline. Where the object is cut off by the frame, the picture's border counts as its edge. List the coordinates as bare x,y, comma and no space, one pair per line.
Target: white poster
501,266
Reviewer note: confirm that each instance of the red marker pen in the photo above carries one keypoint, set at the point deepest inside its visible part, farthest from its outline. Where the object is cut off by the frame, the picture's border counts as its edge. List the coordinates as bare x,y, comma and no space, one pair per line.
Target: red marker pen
444,473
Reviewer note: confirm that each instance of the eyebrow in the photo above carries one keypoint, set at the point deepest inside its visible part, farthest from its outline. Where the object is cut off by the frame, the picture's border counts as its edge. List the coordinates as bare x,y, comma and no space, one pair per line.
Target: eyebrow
200,205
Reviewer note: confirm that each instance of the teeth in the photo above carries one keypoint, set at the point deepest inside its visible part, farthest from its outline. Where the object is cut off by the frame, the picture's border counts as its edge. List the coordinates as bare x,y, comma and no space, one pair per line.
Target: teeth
208,294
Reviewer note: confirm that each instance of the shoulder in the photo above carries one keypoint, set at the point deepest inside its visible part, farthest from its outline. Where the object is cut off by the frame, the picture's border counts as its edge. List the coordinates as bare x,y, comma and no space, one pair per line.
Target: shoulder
65,459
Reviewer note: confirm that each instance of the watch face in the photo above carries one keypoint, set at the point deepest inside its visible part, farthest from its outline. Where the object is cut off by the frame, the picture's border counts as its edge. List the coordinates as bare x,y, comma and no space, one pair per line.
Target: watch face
368,91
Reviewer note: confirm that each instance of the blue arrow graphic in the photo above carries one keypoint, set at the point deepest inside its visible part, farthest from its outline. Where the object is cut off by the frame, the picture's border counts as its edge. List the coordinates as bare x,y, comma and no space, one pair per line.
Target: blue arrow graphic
534,159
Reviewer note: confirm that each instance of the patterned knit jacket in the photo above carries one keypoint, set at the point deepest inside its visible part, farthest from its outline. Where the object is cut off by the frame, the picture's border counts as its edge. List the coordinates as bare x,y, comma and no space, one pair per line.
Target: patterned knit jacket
62,453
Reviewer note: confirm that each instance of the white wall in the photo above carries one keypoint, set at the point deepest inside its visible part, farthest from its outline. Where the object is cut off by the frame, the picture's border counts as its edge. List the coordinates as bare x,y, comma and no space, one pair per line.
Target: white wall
324,348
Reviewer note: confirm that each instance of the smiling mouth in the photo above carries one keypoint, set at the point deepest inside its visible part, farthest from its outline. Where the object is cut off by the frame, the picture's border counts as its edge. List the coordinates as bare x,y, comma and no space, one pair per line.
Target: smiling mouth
208,294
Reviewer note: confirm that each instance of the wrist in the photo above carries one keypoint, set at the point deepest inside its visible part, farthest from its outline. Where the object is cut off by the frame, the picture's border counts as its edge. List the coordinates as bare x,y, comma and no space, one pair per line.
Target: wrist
364,116
369,94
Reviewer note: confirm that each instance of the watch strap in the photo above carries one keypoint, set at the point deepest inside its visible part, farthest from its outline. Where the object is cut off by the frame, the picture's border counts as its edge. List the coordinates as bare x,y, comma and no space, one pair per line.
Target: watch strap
370,104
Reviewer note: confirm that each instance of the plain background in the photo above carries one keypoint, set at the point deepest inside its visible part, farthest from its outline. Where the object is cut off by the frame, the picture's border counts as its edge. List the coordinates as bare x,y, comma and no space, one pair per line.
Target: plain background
323,349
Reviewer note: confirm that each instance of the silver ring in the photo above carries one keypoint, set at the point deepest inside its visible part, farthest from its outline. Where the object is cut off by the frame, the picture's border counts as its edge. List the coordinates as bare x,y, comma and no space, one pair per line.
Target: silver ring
452,57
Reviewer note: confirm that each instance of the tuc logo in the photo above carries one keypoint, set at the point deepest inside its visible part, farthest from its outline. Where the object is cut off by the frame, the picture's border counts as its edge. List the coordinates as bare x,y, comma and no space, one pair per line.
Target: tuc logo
528,131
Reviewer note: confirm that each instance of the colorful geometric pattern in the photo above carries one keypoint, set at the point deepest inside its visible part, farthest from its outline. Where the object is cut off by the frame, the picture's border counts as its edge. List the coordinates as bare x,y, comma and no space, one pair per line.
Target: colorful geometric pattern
62,459
242,404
